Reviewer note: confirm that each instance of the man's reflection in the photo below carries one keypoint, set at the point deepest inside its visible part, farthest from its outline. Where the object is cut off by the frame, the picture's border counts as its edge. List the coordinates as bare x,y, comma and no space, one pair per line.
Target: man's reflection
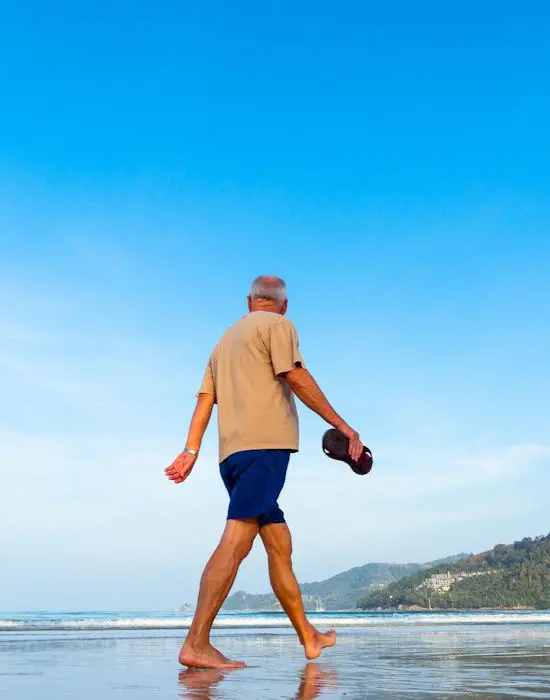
201,684
316,677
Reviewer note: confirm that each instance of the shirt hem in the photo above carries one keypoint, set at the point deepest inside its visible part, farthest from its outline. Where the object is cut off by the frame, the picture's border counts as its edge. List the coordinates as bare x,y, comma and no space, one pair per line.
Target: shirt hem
257,446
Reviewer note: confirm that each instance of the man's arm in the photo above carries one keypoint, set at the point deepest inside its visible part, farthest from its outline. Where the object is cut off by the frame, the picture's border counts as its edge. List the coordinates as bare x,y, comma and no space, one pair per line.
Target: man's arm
199,421
181,467
308,391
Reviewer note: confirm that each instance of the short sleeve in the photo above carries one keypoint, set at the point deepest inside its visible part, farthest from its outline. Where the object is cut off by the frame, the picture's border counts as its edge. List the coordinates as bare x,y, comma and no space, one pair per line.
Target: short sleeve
284,347
208,385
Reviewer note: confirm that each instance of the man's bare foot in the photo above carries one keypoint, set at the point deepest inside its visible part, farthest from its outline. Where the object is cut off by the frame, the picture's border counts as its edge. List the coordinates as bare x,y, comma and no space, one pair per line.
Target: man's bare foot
315,644
206,657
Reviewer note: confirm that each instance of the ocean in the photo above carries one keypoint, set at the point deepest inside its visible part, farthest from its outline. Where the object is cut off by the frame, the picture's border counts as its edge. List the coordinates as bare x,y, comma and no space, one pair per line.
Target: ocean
97,654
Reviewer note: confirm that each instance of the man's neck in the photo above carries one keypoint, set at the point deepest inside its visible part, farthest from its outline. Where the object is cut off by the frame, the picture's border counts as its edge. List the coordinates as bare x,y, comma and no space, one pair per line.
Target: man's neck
271,308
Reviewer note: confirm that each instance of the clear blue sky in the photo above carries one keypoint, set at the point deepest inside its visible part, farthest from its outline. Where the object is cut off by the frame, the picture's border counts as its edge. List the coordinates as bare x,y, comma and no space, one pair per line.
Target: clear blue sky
390,162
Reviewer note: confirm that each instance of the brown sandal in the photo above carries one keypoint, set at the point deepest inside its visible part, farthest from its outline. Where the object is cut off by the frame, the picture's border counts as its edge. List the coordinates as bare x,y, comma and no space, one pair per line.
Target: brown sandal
336,446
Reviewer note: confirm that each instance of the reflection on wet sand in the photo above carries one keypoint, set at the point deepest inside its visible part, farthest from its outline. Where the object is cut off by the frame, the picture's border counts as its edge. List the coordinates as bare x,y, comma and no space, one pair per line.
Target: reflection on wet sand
314,678
201,683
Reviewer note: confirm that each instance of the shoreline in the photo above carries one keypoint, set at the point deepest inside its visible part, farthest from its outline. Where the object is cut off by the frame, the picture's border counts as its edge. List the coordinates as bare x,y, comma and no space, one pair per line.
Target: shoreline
419,608
403,608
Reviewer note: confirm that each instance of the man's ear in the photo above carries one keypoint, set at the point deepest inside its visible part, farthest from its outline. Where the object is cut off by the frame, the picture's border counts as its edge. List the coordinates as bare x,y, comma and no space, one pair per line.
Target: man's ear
284,307
249,302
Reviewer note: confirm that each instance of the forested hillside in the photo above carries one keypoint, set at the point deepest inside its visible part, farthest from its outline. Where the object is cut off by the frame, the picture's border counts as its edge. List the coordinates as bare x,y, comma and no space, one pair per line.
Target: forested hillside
507,576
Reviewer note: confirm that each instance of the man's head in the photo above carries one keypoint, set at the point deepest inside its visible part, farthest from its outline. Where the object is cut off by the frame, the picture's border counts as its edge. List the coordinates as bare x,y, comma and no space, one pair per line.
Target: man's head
268,293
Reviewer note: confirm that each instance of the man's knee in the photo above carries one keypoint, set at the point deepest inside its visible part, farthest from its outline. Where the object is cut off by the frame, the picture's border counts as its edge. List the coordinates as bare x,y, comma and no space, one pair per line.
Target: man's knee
239,537
243,547
277,540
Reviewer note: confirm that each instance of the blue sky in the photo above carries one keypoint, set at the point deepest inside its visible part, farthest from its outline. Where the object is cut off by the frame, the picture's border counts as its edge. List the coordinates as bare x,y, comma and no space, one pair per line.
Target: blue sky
391,163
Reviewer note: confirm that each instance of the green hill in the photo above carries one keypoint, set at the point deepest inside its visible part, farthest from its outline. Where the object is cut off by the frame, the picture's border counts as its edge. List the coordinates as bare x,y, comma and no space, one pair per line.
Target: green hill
340,592
507,576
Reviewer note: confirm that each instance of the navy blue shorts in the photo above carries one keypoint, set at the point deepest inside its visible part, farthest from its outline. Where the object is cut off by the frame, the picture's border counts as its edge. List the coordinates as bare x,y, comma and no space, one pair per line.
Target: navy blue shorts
254,479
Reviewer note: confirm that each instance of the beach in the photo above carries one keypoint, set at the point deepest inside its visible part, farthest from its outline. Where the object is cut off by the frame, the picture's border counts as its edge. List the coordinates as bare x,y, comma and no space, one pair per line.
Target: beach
378,655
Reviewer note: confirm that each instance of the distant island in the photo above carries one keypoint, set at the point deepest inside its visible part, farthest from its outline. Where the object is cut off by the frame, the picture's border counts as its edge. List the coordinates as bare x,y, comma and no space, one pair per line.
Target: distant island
186,608
340,592
507,576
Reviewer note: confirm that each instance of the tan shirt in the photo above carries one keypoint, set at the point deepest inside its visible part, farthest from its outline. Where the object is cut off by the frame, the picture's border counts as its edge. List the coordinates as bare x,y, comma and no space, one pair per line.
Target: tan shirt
256,409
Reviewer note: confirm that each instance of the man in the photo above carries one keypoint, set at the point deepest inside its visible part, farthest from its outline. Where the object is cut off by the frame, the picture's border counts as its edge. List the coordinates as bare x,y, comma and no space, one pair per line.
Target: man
252,375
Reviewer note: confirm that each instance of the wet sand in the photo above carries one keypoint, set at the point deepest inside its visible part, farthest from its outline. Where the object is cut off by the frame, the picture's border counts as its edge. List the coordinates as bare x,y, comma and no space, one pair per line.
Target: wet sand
455,661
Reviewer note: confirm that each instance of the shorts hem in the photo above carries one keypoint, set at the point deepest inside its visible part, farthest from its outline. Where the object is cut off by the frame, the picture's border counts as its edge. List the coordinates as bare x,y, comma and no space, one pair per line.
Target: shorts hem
261,521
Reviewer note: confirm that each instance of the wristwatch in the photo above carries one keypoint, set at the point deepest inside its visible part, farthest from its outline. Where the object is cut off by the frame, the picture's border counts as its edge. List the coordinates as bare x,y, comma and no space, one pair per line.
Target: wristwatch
195,453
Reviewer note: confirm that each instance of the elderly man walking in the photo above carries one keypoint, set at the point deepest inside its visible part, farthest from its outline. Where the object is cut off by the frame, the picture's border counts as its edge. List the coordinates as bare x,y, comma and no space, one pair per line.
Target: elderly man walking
252,375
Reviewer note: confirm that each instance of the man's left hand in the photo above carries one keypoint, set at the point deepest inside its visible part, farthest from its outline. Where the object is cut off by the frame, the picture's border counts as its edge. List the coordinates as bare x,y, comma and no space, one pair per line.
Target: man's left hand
181,467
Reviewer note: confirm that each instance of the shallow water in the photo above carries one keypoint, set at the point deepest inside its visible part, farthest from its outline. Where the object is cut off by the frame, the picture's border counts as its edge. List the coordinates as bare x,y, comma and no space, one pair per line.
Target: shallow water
387,661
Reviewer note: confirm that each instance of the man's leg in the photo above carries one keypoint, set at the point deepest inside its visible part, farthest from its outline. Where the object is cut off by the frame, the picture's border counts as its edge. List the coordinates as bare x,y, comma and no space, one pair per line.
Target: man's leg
278,545
216,582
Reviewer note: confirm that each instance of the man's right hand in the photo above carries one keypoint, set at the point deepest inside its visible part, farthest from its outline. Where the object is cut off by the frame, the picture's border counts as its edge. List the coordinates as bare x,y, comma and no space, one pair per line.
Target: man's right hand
355,444
181,467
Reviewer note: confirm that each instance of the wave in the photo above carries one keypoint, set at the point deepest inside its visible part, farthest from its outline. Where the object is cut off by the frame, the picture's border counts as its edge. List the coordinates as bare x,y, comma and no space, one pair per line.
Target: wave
150,621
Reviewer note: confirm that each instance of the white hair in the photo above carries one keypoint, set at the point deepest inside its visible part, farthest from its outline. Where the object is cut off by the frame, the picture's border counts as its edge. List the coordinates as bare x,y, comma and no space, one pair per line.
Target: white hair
267,287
